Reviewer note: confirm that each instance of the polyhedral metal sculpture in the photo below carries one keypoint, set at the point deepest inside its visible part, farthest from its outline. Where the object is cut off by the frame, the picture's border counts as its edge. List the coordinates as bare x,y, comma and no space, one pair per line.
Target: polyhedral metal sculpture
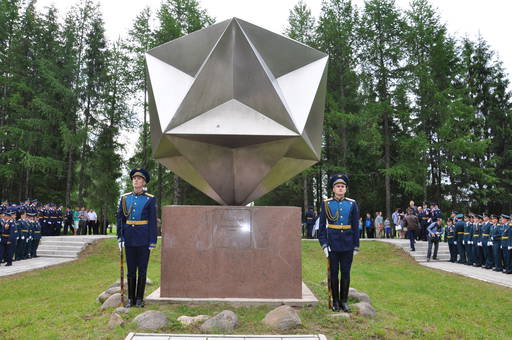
235,109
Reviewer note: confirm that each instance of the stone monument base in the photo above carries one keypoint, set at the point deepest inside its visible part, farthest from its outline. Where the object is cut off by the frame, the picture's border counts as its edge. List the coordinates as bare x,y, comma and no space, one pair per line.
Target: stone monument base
231,252
308,299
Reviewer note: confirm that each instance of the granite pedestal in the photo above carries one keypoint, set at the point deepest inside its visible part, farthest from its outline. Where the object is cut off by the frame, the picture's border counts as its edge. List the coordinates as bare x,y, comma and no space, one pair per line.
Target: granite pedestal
219,252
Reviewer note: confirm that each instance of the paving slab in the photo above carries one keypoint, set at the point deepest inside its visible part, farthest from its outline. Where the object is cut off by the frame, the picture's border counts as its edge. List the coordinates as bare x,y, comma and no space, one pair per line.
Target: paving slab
478,273
153,336
308,299
47,261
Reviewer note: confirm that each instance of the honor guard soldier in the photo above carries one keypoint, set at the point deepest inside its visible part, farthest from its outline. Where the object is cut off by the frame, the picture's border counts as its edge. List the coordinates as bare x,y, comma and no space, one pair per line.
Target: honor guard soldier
506,243
8,237
36,235
309,220
451,236
477,241
468,243
487,243
496,231
137,232
338,235
459,229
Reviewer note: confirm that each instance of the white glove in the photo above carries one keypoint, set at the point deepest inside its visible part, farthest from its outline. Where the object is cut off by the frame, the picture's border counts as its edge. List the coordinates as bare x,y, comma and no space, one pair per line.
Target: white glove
509,247
326,251
489,243
121,245
23,237
455,242
479,244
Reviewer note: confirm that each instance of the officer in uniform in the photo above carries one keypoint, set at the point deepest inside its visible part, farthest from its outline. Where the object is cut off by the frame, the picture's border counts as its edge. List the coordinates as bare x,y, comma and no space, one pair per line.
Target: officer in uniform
424,217
338,235
8,236
506,243
496,233
36,235
477,241
459,229
468,243
310,221
451,236
137,232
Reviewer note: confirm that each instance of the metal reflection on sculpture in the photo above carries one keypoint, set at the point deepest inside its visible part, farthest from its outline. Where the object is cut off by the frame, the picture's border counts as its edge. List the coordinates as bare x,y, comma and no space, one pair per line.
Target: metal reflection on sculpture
235,109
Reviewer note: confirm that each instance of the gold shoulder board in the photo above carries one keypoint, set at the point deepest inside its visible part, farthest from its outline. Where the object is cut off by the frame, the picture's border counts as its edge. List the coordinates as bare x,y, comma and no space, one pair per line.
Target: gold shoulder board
350,199
148,194
126,194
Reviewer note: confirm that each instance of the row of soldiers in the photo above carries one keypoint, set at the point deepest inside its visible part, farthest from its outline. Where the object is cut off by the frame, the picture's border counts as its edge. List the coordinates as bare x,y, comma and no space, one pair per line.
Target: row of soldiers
50,215
481,241
19,237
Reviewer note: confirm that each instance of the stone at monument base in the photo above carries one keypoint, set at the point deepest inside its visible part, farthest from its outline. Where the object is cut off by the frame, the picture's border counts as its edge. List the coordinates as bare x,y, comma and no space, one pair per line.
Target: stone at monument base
231,252
307,299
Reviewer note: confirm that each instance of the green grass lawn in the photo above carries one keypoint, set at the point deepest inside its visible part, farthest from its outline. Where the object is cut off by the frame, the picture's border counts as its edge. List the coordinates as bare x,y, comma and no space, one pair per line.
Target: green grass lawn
412,301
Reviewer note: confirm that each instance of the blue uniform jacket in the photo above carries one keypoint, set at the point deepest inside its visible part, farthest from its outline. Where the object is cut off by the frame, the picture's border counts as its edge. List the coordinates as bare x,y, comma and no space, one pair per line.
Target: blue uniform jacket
339,226
459,229
9,231
136,220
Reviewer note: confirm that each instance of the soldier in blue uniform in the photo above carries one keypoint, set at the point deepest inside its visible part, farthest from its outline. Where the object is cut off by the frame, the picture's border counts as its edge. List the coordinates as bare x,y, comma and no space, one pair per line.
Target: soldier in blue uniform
137,232
8,236
459,229
468,243
451,236
496,230
309,220
506,243
477,241
338,235
487,243
36,234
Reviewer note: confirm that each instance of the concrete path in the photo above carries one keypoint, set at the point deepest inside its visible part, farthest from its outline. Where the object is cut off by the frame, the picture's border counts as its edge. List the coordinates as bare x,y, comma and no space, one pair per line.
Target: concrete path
149,336
53,250
443,263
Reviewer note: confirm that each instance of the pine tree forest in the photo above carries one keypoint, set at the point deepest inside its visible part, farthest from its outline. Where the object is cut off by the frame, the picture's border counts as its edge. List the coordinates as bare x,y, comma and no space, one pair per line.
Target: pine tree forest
413,112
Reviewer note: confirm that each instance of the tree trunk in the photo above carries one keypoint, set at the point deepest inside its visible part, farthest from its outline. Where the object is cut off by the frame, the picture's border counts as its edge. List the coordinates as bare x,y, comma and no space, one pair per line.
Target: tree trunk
160,188
69,177
305,191
177,191
387,161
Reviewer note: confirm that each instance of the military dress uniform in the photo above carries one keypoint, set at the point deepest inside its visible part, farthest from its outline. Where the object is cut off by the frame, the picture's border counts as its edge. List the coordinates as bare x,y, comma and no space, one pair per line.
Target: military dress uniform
506,244
339,233
137,229
8,238
496,233
468,242
477,243
451,236
36,237
310,222
459,229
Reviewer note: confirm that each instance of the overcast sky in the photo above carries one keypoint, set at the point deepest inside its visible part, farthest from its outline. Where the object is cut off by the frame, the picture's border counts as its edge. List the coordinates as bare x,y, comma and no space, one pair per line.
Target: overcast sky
489,18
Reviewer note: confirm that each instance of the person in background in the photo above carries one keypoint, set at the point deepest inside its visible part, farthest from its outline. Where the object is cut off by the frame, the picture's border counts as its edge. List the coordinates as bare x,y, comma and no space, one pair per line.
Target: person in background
76,221
434,231
412,224
379,224
387,228
368,225
451,236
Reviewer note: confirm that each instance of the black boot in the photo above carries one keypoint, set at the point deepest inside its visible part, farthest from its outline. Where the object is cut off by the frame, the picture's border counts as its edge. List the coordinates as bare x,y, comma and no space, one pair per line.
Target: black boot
335,297
131,292
141,285
345,284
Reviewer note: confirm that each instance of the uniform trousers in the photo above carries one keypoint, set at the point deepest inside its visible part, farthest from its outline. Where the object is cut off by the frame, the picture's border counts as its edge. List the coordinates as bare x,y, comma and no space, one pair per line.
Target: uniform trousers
478,254
452,247
496,247
489,257
137,261
506,258
469,253
340,261
461,250
6,251
431,241
412,237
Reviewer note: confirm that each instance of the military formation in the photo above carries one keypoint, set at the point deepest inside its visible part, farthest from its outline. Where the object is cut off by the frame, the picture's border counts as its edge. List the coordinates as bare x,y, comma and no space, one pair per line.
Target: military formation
20,237
481,241
22,226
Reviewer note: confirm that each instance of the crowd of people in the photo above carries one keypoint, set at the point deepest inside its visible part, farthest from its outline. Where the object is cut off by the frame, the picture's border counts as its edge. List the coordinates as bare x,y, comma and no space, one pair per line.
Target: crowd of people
22,226
476,240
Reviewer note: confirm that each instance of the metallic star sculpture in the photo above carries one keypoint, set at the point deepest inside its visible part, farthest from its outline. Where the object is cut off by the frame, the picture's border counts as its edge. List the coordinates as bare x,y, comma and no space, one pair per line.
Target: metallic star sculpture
235,109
